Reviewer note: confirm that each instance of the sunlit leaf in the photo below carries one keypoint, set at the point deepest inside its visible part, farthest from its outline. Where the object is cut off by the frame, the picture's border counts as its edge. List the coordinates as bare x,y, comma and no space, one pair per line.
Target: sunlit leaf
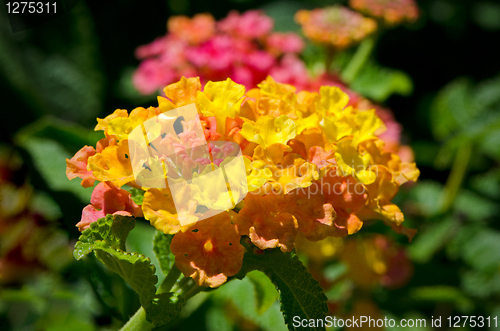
106,238
379,83
162,251
300,294
265,291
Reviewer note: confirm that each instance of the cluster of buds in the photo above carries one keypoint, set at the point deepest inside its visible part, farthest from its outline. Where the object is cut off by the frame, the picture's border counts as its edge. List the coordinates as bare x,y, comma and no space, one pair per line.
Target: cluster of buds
306,163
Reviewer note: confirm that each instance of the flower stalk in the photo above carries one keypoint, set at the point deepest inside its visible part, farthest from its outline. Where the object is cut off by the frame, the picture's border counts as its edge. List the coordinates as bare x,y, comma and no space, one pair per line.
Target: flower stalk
359,59
170,280
138,322
457,175
185,287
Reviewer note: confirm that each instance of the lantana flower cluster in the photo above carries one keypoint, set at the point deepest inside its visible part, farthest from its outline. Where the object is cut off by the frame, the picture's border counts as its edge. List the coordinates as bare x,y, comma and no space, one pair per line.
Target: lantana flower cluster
314,166
391,12
372,260
335,26
241,46
163,63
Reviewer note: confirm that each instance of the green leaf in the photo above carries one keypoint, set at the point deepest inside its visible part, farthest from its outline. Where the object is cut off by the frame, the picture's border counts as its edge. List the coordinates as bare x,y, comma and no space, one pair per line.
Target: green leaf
340,290
139,273
481,284
162,251
379,83
49,142
106,238
300,294
487,15
69,135
242,295
53,168
265,291
217,319
474,206
333,272
487,183
443,293
490,145
43,204
432,239
164,308
113,230
135,269
453,100
63,77
282,13
486,93
427,196
137,195
462,108
141,241
481,251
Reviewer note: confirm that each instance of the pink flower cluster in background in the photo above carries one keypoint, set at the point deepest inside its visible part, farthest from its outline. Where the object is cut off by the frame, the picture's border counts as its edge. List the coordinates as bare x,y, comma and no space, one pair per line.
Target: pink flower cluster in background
241,46
244,48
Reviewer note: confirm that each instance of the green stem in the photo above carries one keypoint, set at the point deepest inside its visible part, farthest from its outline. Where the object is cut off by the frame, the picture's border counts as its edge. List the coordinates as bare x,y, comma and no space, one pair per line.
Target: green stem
170,280
182,284
359,59
456,177
330,53
190,290
138,322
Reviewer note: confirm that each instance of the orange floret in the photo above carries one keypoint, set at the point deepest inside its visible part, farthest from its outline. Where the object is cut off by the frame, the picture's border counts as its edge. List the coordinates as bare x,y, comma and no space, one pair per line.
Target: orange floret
210,251
77,166
266,224
196,30
335,26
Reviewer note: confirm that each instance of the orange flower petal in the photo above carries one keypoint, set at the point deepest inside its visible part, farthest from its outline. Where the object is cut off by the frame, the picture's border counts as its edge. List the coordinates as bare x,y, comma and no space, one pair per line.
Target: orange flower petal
266,225
77,166
210,251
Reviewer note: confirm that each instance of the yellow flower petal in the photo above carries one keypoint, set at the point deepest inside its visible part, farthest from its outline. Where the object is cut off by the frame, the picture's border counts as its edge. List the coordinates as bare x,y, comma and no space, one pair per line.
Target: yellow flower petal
122,126
102,123
368,123
184,91
284,172
269,130
222,100
159,209
270,88
112,164
332,99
